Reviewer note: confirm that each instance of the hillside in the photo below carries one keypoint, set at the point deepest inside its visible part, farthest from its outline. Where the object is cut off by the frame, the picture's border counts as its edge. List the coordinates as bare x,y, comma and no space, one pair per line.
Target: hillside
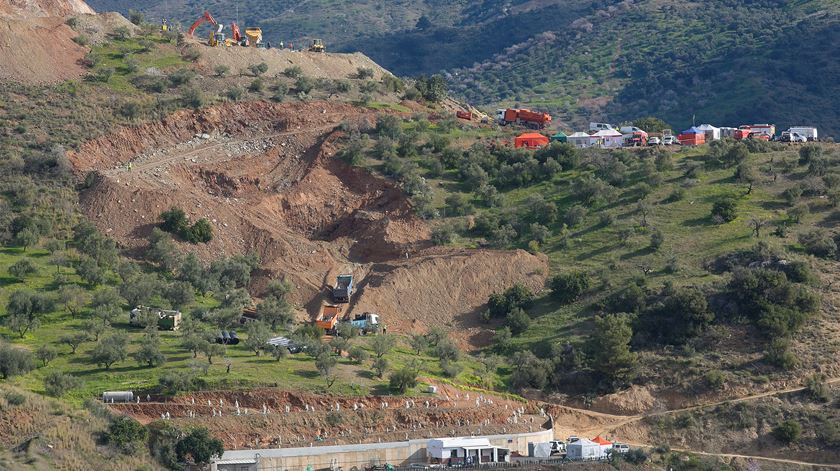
721,61
638,293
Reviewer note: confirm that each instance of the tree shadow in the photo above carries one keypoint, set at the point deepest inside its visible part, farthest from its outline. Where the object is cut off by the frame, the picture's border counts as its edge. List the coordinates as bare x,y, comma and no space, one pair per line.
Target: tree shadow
698,222
366,374
307,374
8,280
647,250
599,251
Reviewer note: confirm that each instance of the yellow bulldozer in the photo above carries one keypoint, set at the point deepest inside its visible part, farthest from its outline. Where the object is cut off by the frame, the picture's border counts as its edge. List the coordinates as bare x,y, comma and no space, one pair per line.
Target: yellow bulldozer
317,46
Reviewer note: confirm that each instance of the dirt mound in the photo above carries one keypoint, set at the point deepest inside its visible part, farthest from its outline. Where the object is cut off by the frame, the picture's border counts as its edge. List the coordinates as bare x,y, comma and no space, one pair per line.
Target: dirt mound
266,177
36,45
97,27
39,50
27,9
294,418
635,400
312,64
428,286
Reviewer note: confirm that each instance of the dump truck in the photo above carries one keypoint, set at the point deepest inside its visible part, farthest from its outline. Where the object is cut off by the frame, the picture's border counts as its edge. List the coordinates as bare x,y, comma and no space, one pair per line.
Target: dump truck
254,36
328,318
367,322
343,288
523,117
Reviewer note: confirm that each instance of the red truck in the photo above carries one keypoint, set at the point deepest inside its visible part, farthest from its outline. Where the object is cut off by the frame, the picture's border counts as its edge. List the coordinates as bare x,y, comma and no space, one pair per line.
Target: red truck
531,119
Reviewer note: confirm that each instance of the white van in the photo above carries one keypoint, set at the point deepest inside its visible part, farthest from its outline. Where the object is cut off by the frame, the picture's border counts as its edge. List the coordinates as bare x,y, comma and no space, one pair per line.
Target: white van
600,127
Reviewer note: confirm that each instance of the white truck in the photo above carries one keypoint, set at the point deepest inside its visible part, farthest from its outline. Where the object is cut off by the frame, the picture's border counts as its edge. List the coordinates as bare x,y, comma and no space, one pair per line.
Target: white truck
809,133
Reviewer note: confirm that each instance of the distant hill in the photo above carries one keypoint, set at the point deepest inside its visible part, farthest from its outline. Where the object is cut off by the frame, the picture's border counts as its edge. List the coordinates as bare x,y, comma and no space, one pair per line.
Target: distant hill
722,61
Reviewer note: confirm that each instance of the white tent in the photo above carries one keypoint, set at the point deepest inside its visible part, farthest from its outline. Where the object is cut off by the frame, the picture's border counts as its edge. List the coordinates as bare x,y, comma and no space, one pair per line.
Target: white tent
607,138
578,139
712,133
540,450
584,449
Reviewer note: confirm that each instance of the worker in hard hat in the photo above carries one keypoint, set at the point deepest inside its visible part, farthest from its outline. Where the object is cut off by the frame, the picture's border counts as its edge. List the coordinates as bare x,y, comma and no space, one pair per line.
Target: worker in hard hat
164,27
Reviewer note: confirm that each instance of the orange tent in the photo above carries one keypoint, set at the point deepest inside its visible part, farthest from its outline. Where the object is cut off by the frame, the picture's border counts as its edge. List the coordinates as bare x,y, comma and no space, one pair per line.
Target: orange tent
531,140
601,441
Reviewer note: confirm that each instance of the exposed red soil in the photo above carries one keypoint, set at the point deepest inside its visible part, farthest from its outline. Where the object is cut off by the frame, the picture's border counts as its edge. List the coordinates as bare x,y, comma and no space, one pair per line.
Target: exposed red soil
266,177
352,419
36,46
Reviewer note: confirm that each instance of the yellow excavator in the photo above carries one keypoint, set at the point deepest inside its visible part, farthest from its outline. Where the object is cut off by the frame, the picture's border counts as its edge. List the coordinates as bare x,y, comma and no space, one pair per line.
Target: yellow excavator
317,46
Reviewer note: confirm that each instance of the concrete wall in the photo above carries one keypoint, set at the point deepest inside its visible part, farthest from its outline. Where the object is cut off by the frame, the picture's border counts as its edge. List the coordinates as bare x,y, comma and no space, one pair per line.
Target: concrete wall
348,456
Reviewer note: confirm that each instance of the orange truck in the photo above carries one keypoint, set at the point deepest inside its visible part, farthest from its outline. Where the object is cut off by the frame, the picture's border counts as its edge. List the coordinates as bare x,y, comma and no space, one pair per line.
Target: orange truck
464,115
531,119
328,318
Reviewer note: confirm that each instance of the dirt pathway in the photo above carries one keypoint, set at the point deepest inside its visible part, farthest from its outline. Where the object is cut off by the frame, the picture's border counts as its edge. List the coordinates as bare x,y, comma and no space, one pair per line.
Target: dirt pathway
206,148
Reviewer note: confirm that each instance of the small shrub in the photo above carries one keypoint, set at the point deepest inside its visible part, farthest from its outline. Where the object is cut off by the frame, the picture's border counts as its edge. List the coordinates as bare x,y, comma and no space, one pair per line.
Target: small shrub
57,384
568,287
714,379
725,210
788,431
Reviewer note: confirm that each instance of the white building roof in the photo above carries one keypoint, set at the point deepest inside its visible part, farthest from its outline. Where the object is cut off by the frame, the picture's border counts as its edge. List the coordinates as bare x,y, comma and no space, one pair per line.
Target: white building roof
582,443
460,442
607,133
707,127
579,134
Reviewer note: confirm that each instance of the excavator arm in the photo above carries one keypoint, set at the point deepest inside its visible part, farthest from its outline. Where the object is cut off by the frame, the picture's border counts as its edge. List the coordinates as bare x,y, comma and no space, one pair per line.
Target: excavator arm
235,33
205,17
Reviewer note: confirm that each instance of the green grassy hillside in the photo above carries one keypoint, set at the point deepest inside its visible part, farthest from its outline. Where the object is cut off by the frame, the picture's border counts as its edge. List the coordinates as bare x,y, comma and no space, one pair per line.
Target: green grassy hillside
639,228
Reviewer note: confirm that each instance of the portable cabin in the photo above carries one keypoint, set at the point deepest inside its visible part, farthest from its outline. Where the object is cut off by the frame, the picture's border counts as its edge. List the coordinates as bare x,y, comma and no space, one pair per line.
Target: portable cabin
167,319
560,136
692,137
712,132
111,397
579,139
530,140
465,451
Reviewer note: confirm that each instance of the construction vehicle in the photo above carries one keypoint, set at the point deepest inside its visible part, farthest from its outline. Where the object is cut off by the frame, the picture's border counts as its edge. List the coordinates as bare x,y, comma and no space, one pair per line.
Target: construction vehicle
235,34
367,322
317,46
343,288
636,139
328,318
205,17
523,117
463,115
808,132
216,37
254,36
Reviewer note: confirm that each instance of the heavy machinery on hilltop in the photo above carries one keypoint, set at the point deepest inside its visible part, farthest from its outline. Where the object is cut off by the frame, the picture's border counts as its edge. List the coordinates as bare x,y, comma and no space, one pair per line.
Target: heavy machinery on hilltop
531,119
317,46
205,17
254,36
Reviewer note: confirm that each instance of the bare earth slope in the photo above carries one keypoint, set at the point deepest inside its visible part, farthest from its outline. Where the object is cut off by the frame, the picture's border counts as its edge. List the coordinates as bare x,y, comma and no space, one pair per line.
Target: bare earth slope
266,177
36,46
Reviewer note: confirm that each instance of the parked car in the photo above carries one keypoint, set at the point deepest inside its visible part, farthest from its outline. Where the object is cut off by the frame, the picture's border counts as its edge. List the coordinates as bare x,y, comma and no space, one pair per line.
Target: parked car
654,141
792,137
620,448
670,141
418,466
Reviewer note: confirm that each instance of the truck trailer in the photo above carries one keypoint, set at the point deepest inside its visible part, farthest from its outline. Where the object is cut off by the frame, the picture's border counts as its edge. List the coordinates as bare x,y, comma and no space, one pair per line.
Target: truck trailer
523,117
343,288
